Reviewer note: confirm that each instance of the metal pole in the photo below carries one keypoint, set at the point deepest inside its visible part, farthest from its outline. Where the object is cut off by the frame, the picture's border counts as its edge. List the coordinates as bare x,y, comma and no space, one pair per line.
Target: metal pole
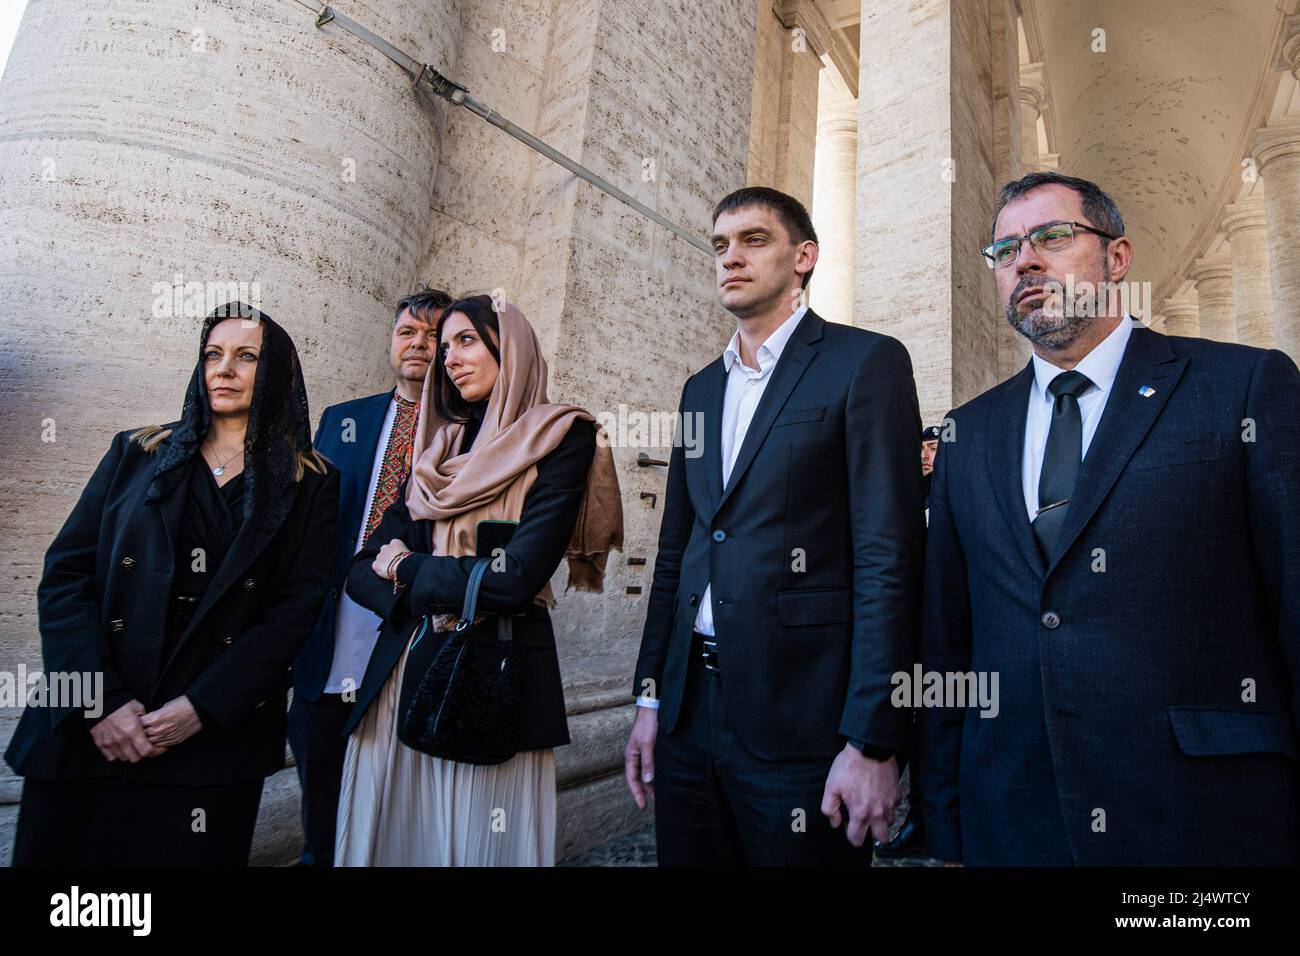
455,93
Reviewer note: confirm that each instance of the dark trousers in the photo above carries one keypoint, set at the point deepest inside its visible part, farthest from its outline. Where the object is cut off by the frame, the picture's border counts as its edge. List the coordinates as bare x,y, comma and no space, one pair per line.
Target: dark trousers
717,804
316,737
103,821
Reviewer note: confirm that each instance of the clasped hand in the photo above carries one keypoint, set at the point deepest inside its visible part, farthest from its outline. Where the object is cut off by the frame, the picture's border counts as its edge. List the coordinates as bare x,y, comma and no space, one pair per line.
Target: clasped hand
131,734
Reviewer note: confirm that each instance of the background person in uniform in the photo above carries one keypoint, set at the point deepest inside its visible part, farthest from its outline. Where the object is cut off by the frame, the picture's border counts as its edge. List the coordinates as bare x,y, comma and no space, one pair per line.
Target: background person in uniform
489,446
369,440
929,448
1115,533
189,574
786,584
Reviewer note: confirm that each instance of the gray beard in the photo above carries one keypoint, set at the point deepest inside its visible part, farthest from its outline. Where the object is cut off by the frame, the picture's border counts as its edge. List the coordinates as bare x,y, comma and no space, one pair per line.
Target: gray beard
1051,332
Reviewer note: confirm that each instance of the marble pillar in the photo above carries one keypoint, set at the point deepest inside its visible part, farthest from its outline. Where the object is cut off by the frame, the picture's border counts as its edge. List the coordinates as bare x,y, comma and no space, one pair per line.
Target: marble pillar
1277,151
1182,316
1213,278
831,289
926,187
1252,296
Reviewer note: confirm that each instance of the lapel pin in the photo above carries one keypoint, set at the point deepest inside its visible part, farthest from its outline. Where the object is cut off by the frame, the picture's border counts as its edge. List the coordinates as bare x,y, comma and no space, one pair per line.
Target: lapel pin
1146,391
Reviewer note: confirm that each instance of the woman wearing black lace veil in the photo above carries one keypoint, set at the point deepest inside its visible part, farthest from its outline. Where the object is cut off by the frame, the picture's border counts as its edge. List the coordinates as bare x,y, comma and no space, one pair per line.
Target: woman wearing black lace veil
183,583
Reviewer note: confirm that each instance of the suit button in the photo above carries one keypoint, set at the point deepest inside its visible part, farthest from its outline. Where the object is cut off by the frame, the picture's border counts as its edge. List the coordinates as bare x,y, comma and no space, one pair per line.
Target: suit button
227,641
352,539
248,584
334,592
1051,620
128,562
719,535
695,600
117,625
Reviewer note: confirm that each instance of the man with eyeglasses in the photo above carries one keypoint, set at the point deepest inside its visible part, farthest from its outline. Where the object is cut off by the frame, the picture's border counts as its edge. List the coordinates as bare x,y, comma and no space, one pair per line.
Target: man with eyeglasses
1114,532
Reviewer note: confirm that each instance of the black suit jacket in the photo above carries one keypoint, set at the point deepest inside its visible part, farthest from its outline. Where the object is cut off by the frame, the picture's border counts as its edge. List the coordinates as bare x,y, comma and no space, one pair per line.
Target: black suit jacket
1148,672
813,549
436,584
103,602
348,435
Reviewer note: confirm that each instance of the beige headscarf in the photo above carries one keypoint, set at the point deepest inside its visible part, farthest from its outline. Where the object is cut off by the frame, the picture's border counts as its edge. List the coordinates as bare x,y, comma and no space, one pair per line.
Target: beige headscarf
520,426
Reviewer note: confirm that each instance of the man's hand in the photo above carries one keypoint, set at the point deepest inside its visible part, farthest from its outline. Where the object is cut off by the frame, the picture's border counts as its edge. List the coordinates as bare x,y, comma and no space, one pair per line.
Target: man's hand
868,789
121,735
172,723
639,755
386,555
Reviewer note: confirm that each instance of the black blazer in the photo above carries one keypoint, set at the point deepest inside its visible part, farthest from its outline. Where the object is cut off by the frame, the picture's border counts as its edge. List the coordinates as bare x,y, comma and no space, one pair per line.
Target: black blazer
1121,662
437,585
348,435
103,602
814,548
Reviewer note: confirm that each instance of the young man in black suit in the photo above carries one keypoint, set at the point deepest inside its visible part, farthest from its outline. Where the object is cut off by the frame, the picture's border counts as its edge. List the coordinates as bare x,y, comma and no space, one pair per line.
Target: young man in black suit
369,441
786,586
1115,532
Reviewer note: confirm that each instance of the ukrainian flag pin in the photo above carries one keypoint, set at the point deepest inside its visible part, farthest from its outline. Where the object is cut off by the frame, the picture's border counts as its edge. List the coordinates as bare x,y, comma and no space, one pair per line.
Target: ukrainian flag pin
1146,391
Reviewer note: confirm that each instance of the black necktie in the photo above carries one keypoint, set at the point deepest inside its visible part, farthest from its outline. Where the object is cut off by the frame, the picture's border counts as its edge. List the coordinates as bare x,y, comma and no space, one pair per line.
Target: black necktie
1060,460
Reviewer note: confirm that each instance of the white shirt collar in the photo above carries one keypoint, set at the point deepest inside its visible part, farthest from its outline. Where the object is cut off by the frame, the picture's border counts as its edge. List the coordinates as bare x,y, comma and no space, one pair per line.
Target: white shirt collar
770,351
1101,365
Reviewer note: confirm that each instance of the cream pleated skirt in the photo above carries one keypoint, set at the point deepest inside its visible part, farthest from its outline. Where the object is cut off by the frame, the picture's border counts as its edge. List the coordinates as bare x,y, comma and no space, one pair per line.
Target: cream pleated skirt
400,807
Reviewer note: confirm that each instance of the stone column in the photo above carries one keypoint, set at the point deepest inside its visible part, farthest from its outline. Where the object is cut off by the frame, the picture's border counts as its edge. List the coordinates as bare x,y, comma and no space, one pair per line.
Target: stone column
1277,151
1182,316
1252,298
162,156
925,184
1213,278
790,39
831,290
1033,96
1008,154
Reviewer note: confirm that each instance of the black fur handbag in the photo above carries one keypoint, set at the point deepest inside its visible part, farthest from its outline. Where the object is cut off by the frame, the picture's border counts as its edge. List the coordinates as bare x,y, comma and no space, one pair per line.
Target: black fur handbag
460,699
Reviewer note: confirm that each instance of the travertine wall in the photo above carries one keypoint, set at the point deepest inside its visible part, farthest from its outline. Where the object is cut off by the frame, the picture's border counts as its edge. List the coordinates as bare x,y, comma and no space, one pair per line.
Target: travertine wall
925,187
783,111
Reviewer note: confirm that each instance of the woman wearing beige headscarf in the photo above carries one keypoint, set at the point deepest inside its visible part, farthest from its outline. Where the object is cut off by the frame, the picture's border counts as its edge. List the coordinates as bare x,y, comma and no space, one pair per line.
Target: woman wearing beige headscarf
489,447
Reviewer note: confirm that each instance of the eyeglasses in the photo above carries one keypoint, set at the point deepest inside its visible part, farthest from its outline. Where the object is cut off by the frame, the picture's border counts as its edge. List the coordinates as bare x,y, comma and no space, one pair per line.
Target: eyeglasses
1052,237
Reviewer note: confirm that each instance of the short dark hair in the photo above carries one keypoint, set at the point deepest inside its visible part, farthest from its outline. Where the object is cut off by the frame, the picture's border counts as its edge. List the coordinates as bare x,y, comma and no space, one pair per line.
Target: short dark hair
447,400
794,217
422,304
1097,205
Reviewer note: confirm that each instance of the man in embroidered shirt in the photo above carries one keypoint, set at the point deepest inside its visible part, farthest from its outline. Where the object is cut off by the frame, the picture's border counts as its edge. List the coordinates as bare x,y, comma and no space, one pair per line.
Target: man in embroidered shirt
369,440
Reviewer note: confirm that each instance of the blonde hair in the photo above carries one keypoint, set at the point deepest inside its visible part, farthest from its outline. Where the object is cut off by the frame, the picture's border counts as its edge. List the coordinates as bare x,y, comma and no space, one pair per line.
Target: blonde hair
151,436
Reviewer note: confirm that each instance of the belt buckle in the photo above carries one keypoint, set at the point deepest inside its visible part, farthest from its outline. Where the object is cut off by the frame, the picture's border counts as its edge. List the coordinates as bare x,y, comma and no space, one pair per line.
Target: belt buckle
710,655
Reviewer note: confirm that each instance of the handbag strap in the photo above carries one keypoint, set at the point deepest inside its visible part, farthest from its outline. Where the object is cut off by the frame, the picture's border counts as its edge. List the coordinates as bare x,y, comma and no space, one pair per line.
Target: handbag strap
471,593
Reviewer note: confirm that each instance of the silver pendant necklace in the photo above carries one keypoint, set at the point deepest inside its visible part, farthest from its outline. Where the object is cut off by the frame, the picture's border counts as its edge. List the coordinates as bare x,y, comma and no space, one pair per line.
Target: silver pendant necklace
221,467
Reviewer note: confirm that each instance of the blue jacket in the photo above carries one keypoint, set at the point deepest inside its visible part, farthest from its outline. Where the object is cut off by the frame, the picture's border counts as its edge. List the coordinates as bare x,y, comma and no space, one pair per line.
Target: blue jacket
1148,672
348,435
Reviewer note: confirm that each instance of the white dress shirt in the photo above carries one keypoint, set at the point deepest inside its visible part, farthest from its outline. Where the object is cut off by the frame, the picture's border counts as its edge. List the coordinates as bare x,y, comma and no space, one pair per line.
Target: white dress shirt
1101,366
356,628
